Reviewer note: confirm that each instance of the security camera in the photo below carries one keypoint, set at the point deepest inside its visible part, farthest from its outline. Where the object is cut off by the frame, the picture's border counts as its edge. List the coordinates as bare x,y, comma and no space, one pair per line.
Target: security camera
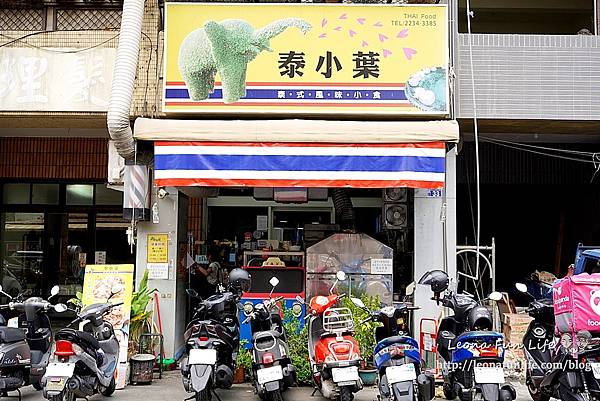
161,193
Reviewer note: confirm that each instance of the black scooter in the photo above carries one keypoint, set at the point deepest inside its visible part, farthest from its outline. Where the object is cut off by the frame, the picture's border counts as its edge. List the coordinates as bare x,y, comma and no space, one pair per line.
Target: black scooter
272,369
554,369
25,345
212,341
472,353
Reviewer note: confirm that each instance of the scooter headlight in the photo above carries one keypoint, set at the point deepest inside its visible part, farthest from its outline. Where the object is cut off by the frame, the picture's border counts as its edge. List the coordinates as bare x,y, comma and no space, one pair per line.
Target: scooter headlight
296,309
566,341
248,308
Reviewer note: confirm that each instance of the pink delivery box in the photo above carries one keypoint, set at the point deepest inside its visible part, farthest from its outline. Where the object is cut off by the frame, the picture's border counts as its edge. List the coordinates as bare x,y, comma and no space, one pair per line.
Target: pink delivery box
577,303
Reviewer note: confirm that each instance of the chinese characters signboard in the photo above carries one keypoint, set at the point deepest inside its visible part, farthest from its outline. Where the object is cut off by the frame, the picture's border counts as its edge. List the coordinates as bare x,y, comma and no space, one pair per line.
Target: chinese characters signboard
158,256
54,80
309,59
98,284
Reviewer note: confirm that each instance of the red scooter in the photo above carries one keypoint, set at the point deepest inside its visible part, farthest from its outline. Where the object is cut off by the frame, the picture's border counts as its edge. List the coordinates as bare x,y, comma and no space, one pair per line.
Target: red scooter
334,353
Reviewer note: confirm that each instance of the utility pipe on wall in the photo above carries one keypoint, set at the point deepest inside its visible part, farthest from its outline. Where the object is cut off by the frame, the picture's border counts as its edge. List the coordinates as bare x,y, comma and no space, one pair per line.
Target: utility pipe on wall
124,74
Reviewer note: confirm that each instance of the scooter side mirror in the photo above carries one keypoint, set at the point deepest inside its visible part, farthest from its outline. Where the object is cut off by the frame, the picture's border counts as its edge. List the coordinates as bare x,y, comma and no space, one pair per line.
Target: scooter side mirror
60,308
521,287
54,291
495,296
358,302
300,300
192,293
340,275
410,289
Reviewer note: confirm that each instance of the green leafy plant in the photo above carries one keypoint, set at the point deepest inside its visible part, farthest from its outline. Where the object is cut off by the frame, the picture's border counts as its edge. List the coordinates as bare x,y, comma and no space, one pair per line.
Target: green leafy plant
244,359
77,301
140,321
298,346
364,333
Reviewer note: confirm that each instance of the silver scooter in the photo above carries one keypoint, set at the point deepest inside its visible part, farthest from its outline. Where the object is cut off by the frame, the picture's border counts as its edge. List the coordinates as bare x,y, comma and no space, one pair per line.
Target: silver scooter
84,361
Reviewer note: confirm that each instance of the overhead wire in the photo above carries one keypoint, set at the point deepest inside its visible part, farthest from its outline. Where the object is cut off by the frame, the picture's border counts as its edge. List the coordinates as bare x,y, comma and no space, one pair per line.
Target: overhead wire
22,39
517,147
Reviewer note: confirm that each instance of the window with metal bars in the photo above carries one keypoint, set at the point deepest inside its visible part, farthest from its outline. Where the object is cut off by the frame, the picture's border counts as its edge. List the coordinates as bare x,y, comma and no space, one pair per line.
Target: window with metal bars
80,19
22,19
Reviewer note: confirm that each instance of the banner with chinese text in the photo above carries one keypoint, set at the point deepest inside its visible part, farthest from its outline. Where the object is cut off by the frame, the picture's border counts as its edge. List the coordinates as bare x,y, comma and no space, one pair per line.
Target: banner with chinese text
306,58
98,283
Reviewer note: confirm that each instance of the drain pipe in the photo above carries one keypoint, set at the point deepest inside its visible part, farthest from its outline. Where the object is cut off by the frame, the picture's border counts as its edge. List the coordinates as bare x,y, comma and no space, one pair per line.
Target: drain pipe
121,93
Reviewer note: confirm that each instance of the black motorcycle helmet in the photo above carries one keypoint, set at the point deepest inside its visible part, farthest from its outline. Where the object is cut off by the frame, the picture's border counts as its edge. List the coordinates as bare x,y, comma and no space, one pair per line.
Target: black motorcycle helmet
240,280
437,279
479,319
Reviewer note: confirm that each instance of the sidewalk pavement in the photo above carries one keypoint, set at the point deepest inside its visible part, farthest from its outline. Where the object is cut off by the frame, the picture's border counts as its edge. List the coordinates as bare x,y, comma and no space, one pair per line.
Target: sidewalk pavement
169,388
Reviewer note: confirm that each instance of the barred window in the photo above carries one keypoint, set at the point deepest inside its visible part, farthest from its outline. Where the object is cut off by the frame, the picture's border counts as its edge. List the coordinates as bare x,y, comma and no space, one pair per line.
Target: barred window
77,19
22,19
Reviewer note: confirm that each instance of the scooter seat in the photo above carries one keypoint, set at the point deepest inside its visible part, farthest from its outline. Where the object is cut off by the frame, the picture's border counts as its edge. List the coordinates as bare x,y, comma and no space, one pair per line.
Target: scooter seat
396,340
11,335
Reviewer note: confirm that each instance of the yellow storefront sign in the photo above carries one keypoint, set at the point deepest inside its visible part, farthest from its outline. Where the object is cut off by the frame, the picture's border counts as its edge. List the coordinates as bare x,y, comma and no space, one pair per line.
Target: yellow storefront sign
307,59
158,248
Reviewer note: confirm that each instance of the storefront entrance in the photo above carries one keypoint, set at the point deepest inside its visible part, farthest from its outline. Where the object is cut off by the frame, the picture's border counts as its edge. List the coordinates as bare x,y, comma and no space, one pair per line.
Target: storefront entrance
48,240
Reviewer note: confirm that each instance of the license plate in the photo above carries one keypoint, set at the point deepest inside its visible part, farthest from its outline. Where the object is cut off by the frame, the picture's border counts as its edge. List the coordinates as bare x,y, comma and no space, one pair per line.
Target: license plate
595,369
56,385
349,374
489,374
60,370
402,373
202,356
271,374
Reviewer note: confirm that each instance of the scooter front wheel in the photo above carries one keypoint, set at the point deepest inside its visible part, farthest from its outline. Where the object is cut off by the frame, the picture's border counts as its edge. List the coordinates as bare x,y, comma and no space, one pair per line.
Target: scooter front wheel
64,396
275,396
535,393
108,391
204,394
346,394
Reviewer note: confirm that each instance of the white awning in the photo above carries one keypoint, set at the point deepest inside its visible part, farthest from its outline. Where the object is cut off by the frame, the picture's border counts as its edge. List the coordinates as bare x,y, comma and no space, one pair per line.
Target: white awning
306,131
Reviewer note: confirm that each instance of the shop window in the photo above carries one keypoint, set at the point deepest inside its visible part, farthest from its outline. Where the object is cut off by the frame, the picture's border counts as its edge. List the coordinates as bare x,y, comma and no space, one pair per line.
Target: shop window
22,252
107,196
80,194
16,194
45,194
111,239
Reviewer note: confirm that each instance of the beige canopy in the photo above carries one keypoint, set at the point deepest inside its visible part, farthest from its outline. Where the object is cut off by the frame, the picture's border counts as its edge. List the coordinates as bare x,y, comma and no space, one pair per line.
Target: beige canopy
307,131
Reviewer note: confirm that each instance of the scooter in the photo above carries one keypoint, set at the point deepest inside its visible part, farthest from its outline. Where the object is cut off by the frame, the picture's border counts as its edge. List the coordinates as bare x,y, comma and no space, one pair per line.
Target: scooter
84,361
25,342
397,356
272,369
212,343
333,352
553,366
472,353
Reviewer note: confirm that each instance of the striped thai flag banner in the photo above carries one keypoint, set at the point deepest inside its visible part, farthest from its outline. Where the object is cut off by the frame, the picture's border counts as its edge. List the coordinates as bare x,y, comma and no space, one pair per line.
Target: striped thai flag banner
240,164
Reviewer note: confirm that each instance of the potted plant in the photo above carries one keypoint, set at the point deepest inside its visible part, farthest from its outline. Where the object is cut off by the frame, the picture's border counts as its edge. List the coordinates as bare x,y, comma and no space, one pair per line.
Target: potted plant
140,320
364,333
243,363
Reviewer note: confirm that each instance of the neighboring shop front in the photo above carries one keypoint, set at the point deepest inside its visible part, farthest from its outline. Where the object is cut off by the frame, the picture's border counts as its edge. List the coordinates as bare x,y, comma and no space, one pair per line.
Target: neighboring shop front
379,88
57,214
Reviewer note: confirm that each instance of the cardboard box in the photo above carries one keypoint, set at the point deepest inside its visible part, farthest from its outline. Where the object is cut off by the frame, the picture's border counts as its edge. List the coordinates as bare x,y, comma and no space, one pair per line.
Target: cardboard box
516,319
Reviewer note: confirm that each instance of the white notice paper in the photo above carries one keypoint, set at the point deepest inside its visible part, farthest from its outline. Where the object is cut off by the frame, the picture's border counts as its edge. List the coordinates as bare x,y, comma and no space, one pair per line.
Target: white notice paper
382,266
158,271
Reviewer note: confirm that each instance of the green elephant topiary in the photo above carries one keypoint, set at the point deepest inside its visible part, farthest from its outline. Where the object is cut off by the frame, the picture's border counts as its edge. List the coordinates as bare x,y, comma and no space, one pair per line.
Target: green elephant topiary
226,47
